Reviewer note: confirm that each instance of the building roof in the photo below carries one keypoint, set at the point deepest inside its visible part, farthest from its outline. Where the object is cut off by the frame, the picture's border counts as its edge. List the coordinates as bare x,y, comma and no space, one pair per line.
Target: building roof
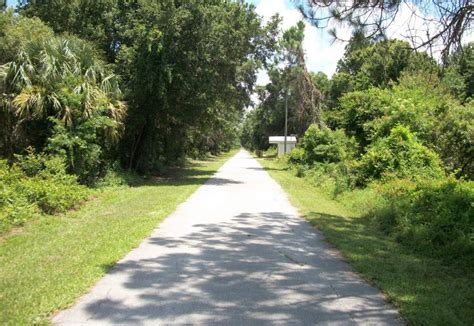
281,139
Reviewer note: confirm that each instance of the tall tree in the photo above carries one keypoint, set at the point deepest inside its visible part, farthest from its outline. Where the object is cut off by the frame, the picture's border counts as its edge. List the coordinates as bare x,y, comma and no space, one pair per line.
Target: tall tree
94,20
308,96
195,68
16,31
375,64
187,67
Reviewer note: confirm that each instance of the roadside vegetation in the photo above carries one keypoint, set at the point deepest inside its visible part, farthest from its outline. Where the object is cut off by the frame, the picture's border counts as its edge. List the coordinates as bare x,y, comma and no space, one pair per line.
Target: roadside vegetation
89,91
383,166
100,100
103,104
426,288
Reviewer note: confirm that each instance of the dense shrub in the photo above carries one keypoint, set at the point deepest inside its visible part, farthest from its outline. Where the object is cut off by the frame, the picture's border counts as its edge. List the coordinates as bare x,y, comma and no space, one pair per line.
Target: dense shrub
325,157
51,188
398,156
358,111
296,156
455,139
436,216
333,178
326,146
37,183
83,147
15,208
420,102
116,176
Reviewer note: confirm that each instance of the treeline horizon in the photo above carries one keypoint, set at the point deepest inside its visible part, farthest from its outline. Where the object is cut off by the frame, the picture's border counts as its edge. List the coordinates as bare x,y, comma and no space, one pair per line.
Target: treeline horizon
141,83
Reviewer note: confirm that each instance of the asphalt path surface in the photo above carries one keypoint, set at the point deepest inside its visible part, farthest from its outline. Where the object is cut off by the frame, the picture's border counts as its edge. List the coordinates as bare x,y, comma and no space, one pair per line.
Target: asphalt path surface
235,253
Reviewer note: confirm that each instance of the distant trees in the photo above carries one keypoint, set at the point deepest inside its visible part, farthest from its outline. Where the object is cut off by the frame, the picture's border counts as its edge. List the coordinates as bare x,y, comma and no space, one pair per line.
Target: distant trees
187,70
290,78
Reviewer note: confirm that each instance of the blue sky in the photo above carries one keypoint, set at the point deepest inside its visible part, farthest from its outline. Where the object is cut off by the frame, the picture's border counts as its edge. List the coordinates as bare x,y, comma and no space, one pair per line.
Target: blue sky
321,53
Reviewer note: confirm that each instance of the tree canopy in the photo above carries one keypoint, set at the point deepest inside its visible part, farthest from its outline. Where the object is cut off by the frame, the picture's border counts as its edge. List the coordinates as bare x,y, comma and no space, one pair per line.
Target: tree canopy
187,69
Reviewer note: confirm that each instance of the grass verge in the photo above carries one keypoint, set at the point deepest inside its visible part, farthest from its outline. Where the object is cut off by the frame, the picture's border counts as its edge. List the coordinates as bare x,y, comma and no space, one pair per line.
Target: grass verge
425,291
47,264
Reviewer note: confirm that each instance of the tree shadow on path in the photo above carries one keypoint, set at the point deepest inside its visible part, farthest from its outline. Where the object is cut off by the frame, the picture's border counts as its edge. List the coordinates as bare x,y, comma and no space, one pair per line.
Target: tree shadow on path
263,268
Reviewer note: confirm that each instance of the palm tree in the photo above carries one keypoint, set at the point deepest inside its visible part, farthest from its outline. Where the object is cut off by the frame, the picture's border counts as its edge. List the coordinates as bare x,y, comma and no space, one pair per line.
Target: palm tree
60,78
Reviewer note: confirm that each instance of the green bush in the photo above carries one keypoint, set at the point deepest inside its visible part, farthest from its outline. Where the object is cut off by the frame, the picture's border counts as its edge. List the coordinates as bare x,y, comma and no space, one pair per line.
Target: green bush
326,145
15,208
51,187
116,176
417,102
296,156
434,216
325,157
359,111
455,139
398,156
272,151
83,147
36,183
301,170
333,178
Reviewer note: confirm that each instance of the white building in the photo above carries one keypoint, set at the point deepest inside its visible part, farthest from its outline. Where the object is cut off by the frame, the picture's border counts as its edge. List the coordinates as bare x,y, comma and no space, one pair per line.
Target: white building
280,141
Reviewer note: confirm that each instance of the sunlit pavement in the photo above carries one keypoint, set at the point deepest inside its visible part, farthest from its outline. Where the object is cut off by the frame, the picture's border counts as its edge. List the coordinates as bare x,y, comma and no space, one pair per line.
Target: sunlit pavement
235,253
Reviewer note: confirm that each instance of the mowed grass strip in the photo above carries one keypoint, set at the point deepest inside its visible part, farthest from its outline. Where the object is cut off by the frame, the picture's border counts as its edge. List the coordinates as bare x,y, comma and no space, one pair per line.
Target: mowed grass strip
50,262
425,291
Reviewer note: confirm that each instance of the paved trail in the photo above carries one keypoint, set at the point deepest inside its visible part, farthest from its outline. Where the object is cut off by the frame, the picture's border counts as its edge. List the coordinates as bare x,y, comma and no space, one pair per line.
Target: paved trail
235,253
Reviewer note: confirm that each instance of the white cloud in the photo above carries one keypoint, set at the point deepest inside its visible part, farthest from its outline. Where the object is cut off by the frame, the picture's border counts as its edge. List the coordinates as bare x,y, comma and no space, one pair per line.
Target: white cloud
262,77
268,8
411,24
321,55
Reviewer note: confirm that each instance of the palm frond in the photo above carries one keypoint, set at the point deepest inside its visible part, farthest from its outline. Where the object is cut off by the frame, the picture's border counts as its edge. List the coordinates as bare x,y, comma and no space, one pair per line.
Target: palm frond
67,116
62,77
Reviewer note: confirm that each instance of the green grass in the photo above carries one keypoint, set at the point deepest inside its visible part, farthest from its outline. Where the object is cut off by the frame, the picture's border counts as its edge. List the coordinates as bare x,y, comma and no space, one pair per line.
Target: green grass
425,291
48,263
